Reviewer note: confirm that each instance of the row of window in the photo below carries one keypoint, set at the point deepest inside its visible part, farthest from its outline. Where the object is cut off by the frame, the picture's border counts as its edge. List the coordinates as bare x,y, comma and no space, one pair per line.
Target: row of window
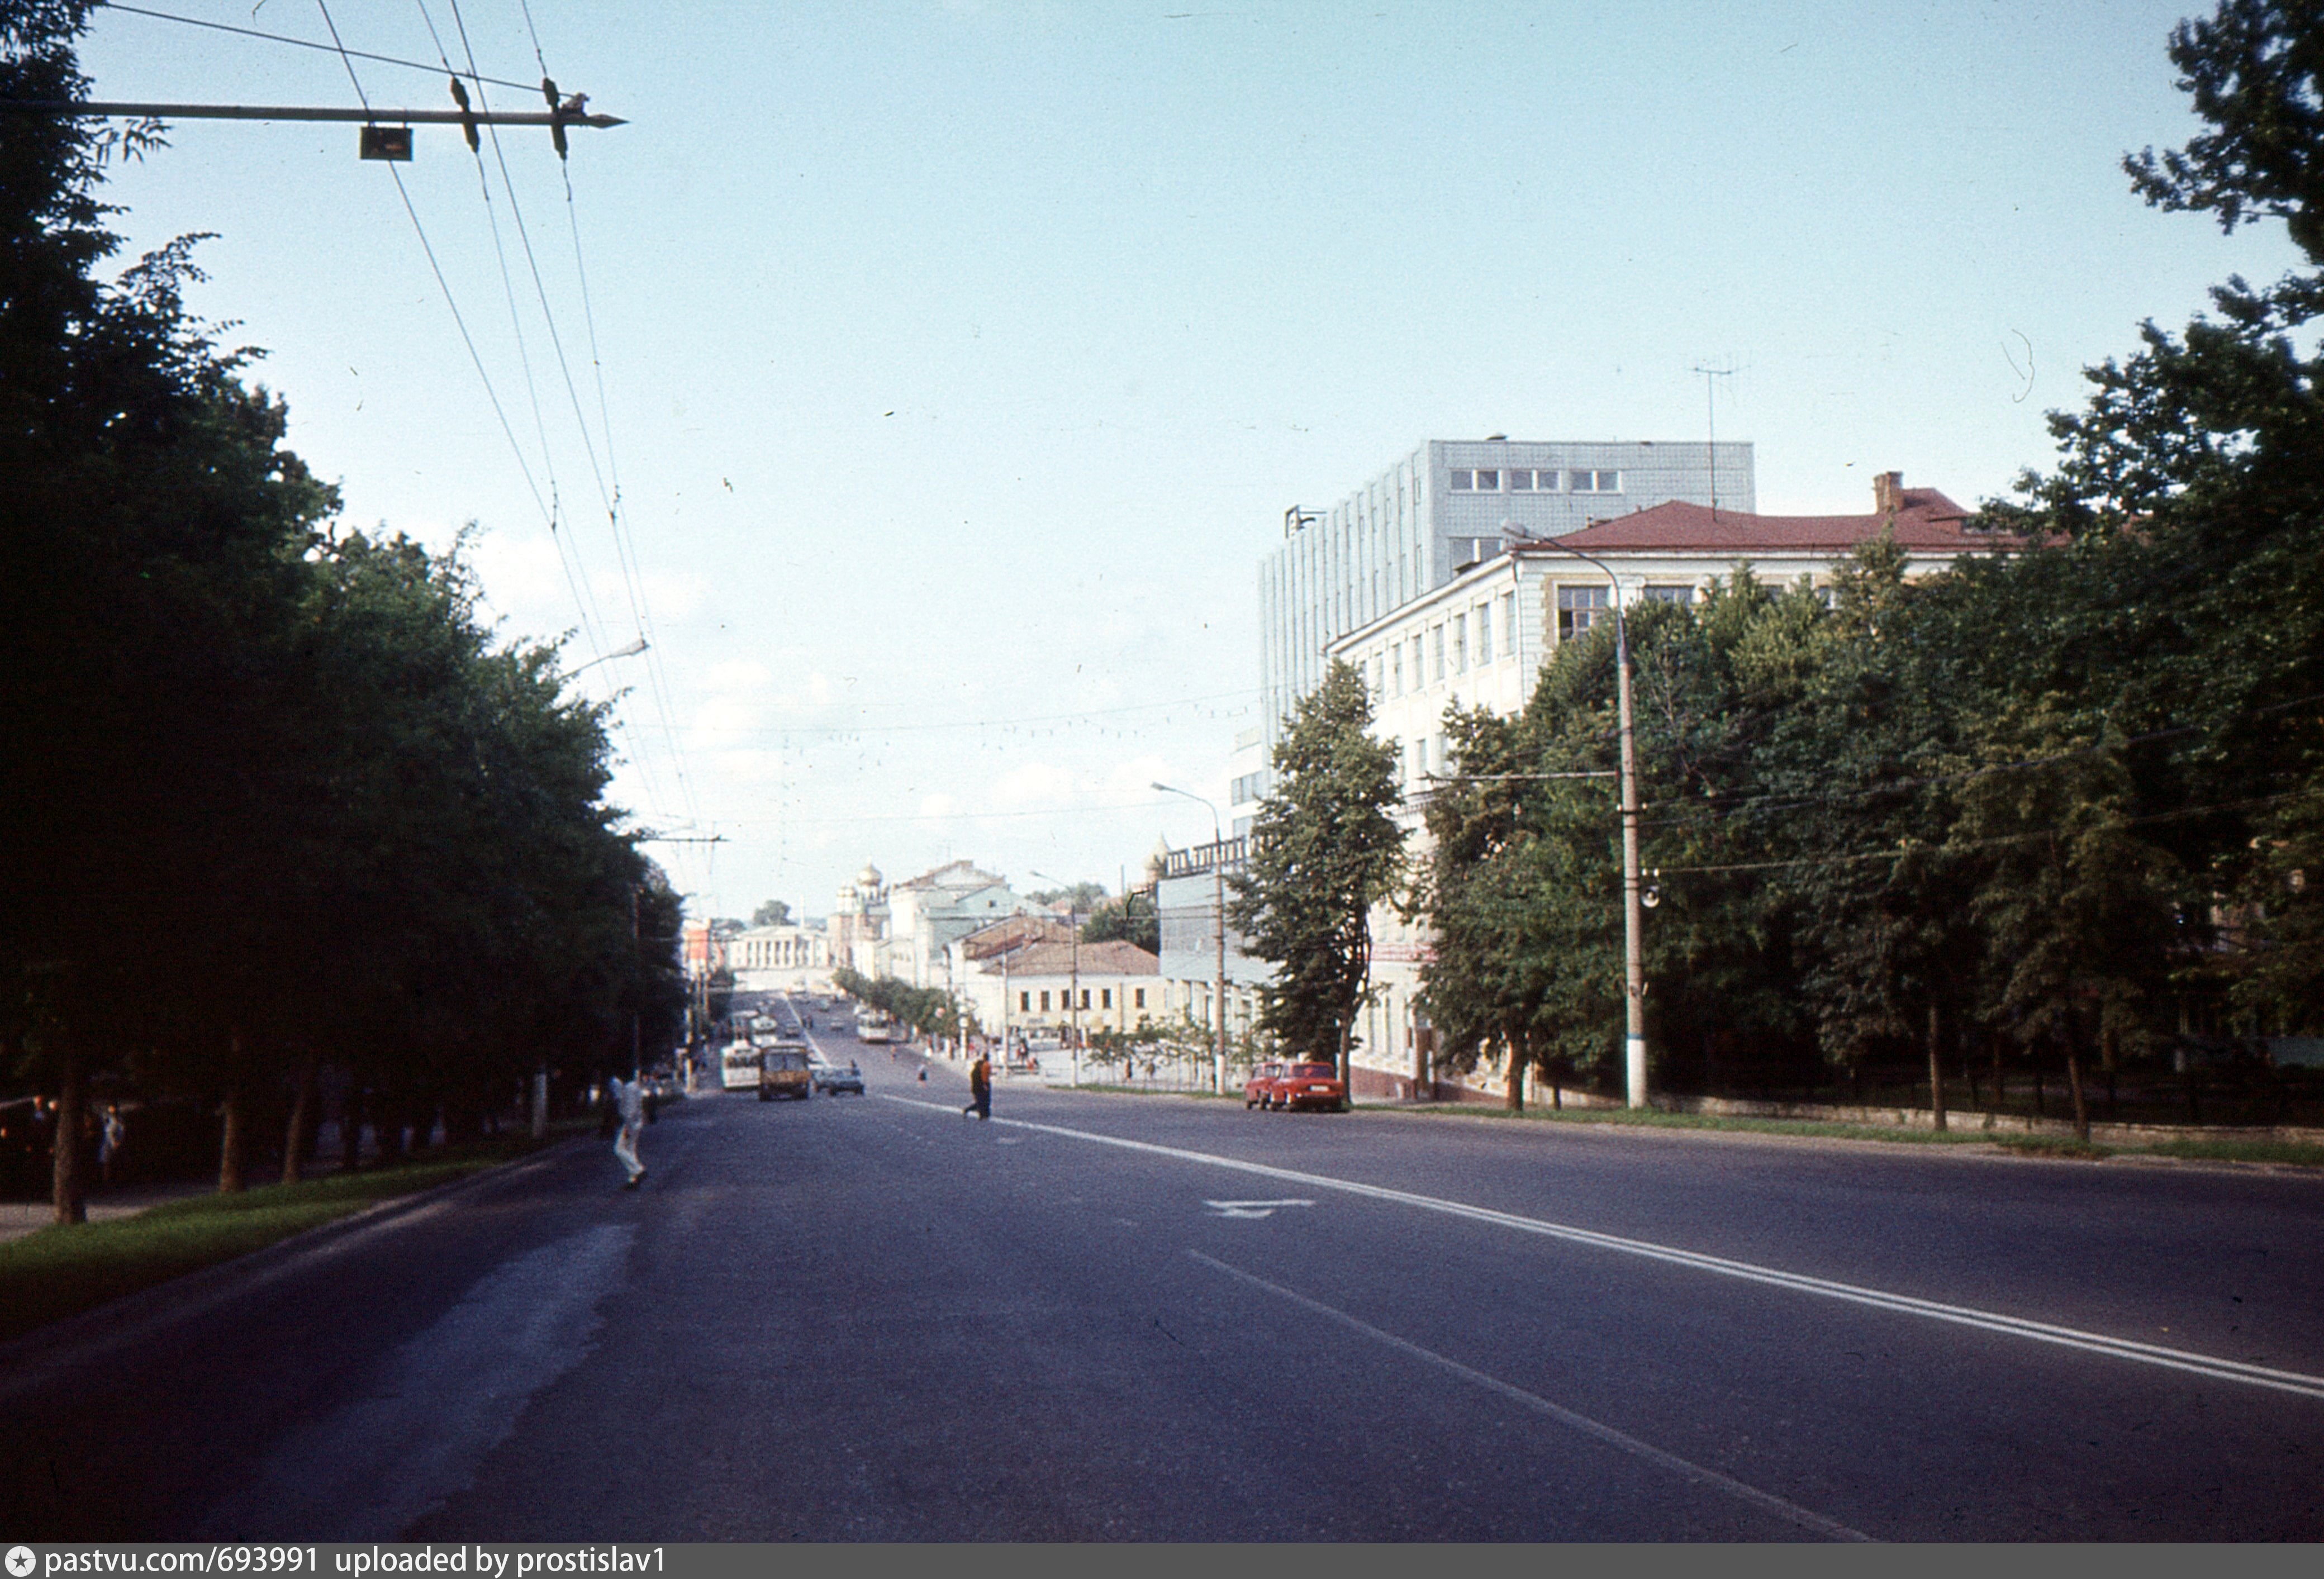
1248,788
1104,1000
1450,647
1532,480
1581,607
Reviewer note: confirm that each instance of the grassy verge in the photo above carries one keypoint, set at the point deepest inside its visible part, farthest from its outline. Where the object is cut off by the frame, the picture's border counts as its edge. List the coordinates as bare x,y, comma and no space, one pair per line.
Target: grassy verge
63,1270
2065,1146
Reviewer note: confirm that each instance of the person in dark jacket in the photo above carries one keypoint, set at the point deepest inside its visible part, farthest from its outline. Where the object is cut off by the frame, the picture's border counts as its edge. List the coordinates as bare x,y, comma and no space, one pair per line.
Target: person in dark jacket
980,1088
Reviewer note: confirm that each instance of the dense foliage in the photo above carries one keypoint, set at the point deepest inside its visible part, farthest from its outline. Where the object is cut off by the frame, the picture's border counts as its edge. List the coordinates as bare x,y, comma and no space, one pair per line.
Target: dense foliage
1325,849
928,1011
2065,802
277,807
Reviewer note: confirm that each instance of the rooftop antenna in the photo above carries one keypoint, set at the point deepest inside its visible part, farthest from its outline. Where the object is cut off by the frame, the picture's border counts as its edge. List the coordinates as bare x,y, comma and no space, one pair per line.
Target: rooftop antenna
1710,421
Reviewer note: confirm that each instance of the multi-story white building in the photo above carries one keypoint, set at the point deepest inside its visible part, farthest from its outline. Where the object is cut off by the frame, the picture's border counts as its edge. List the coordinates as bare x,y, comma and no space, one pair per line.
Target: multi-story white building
1481,638
925,914
1449,504
1189,888
788,958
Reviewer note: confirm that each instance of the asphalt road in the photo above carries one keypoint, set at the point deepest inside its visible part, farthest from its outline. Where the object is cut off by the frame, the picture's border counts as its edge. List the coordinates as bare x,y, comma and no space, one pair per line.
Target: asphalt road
1151,1318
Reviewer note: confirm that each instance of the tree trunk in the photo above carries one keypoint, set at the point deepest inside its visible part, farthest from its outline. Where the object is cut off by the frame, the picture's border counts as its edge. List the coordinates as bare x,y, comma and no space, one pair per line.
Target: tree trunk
2000,1089
2040,1111
294,1134
2194,1092
66,1187
2110,1051
2074,1084
541,1102
1936,1076
1516,1074
233,1144
351,1108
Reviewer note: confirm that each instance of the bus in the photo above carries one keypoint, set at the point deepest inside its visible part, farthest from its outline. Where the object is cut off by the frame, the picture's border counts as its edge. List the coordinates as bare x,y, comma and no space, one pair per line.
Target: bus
874,1025
739,1067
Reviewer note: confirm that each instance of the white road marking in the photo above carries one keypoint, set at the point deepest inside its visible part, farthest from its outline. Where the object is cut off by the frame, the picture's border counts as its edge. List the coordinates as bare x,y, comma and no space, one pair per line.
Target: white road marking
437,1407
2040,1332
1250,1208
1766,1501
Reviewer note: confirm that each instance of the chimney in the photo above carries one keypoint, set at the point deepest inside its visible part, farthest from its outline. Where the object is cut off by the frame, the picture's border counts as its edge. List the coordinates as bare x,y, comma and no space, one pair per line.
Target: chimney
1887,492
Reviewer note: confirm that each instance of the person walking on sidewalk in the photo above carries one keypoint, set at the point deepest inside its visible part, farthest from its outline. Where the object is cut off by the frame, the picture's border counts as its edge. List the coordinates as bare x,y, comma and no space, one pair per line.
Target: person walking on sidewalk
630,1099
980,1088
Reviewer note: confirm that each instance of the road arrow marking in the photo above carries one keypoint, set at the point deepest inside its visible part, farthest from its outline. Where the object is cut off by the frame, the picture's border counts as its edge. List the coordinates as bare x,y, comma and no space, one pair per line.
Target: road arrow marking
1249,1208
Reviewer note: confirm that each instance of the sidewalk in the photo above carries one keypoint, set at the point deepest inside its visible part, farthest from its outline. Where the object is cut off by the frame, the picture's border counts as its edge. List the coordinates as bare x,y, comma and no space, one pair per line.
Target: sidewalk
19,1218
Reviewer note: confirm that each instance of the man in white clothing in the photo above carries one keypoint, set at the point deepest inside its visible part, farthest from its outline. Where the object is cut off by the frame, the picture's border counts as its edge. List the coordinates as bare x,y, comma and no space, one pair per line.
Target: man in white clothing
630,1099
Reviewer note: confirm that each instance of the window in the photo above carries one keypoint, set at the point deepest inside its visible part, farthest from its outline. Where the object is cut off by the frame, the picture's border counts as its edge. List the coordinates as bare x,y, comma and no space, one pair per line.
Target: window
1460,643
1595,482
1472,550
1437,635
1489,482
1521,481
1578,609
1464,482
1024,1002
1666,594
1419,674
1105,997
1396,669
1084,997
1137,998
1380,675
1509,621
1420,758
1484,633
1044,1003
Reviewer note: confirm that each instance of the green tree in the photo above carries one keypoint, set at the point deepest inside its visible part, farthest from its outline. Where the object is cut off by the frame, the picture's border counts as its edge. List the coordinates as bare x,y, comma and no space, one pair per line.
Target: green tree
773,913
1325,848
1130,919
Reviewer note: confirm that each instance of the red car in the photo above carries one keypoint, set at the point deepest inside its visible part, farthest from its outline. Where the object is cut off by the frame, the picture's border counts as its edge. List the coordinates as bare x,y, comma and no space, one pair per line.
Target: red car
1259,1089
1299,1085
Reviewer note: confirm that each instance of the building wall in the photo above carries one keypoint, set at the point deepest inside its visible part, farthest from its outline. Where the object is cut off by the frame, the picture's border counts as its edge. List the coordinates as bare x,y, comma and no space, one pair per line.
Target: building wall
1411,529
1187,907
779,959
1037,1004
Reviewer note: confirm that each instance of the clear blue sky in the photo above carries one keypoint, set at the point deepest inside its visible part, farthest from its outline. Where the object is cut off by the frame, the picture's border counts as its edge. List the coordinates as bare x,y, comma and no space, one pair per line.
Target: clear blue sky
960,360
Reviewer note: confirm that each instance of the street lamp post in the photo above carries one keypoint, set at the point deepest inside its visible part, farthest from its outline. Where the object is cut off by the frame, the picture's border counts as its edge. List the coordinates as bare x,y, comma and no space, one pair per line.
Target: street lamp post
1634,963
1219,919
631,650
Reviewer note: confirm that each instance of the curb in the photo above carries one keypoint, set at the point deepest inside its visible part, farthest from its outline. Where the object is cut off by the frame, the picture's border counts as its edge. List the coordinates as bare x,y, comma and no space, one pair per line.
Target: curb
29,1361
1974,1149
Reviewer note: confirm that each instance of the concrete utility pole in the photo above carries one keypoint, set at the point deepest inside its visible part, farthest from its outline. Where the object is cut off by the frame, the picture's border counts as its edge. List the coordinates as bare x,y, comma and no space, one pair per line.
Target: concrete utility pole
1219,917
1634,960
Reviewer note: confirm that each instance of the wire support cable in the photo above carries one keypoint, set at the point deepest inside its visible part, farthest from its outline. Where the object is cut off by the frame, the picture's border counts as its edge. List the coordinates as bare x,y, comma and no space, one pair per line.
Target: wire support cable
608,493
278,38
1998,841
467,339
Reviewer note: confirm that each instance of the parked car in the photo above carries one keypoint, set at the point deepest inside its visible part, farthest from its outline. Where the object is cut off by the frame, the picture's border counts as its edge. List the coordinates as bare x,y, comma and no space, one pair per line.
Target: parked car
1258,1091
831,1079
1310,1085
